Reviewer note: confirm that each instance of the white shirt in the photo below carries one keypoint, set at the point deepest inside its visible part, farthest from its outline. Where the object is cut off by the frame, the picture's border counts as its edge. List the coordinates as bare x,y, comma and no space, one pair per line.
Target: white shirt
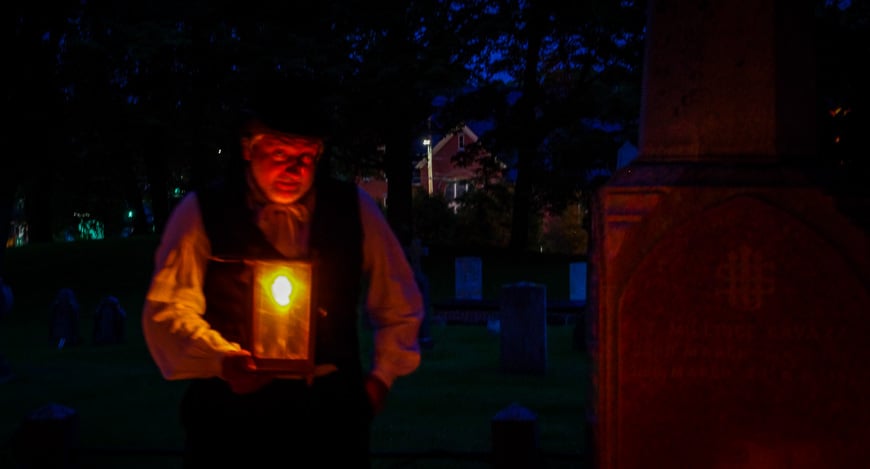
183,344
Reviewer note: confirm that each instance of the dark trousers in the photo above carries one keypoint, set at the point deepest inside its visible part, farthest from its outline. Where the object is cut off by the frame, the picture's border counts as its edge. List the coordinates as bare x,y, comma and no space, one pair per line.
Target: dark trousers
285,424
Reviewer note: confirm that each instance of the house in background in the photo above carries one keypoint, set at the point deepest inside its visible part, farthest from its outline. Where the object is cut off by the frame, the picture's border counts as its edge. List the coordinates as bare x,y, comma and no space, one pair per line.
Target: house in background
448,178
439,174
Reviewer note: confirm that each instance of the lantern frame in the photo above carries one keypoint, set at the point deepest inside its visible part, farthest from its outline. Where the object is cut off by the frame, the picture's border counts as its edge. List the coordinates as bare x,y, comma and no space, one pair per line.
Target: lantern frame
282,337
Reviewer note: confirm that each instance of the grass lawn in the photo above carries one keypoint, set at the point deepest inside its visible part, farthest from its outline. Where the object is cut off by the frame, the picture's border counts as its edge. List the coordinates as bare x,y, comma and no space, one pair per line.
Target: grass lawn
440,416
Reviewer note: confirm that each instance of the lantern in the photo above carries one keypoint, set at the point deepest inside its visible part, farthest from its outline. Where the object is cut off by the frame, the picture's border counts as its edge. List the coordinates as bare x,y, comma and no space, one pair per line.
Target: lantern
282,329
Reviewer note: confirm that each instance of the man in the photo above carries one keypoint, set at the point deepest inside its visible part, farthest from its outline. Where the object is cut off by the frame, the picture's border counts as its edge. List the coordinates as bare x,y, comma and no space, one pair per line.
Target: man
196,318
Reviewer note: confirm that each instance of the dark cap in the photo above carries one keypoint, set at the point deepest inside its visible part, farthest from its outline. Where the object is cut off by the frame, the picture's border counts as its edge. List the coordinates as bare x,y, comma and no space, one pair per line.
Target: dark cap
293,105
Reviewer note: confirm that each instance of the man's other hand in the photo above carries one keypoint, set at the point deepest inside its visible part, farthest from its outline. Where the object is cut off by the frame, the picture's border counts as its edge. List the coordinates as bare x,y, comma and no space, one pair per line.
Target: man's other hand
377,391
239,371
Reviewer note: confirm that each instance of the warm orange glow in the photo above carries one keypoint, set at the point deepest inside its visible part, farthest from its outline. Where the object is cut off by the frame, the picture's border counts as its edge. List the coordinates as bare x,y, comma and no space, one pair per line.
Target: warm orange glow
279,283
282,321
281,290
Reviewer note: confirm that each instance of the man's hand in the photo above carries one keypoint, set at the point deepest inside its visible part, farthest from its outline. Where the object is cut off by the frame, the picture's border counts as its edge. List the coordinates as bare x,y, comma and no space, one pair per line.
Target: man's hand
239,371
377,391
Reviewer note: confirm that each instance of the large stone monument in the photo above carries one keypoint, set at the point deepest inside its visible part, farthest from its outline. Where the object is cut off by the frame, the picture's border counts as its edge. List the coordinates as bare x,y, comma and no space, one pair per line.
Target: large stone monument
730,302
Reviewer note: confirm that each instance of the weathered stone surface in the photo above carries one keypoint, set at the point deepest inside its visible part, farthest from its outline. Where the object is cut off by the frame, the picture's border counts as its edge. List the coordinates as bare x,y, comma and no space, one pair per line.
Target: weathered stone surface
730,307
523,328
733,333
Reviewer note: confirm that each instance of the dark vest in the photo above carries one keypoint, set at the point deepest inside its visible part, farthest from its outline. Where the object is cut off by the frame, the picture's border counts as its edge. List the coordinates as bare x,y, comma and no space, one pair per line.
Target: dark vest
336,252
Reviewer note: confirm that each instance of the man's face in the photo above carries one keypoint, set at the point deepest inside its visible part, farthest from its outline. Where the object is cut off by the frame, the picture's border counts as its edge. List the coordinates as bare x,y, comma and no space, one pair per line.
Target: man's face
282,164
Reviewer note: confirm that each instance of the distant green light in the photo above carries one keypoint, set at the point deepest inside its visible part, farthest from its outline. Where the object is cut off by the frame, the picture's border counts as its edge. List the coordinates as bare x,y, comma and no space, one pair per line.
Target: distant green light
129,214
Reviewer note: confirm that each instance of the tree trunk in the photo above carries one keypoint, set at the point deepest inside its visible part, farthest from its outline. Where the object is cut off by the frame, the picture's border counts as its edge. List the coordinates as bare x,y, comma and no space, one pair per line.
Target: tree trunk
157,174
397,166
527,151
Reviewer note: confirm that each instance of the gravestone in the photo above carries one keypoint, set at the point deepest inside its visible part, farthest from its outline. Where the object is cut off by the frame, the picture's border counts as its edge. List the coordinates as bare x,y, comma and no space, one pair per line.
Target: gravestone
6,301
577,281
469,278
109,322
48,438
6,298
523,331
730,309
64,326
515,438
493,326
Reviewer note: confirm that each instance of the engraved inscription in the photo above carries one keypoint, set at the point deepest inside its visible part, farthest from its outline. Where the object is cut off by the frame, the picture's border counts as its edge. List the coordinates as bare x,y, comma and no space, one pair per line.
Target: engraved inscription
745,278
658,352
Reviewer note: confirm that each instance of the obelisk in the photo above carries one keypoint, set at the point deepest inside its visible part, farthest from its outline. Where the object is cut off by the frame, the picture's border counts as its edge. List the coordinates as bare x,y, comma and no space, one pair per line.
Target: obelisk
730,305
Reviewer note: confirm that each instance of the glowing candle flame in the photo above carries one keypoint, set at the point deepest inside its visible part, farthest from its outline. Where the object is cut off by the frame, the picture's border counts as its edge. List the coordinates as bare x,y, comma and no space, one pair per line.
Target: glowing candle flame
281,290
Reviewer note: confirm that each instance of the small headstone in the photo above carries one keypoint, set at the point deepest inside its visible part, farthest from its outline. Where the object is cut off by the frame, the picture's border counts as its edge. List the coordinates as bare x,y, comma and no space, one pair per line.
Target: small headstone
48,438
6,298
515,439
493,326
109,322
524,328
577,281
64,319
6,374
469,278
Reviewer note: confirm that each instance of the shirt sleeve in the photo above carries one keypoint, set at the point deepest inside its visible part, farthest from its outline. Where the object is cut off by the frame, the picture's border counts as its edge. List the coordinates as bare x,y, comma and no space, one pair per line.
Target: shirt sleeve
394,303
181,342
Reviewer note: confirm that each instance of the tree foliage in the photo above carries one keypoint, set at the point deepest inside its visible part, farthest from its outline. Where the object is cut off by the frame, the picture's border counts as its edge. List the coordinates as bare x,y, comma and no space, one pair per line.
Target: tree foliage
547,73
121,104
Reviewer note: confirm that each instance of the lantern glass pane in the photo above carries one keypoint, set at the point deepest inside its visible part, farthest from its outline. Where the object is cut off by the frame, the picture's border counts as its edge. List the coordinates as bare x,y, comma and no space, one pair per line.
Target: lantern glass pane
282,311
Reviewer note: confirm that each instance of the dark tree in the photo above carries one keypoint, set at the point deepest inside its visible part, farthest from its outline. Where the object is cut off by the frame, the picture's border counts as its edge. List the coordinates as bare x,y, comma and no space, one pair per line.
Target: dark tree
549,73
